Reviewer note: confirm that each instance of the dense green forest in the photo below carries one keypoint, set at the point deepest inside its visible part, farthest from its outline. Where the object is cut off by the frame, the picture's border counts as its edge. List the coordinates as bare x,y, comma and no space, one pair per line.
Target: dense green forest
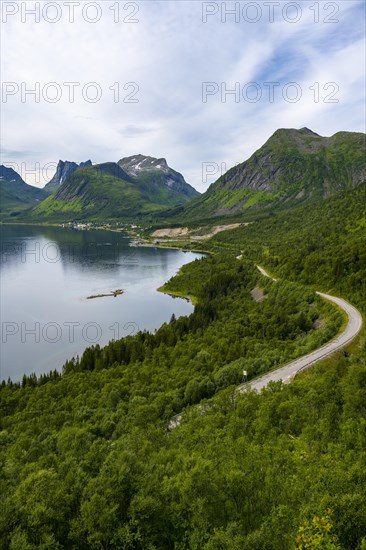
89,460
323,245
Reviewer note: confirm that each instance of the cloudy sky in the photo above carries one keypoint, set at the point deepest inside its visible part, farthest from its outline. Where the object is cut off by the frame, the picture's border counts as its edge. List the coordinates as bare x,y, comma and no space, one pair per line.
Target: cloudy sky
112,79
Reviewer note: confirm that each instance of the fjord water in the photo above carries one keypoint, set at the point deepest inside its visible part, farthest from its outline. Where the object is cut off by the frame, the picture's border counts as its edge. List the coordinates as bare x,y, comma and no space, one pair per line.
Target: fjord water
47,273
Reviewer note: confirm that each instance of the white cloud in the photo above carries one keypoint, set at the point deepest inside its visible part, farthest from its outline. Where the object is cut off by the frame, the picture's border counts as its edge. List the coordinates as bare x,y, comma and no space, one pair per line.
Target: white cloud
169,53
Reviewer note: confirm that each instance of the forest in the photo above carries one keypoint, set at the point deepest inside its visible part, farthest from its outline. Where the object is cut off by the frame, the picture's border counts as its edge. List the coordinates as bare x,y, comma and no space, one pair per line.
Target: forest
322,245
89,458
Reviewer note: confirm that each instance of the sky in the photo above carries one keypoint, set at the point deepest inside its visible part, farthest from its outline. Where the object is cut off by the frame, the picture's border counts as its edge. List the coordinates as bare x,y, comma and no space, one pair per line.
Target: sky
202,84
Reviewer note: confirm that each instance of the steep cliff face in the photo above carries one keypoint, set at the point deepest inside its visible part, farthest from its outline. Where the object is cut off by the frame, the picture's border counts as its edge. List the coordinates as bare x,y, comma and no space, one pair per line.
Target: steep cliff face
303,160
292,167
64,169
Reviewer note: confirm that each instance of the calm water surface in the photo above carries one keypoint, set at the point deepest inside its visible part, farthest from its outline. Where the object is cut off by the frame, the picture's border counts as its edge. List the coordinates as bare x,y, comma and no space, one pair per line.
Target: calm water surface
47,275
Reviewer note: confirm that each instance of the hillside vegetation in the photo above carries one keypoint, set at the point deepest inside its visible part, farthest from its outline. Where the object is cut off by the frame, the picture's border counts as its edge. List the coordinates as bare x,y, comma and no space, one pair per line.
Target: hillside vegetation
324,245
96,193
293,167
131,189
88,460
16,196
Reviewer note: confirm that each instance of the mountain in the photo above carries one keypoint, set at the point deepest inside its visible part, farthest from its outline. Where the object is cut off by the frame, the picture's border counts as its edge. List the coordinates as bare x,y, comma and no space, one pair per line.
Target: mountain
63,170
291,168
134,186
15,194
156,178
107,191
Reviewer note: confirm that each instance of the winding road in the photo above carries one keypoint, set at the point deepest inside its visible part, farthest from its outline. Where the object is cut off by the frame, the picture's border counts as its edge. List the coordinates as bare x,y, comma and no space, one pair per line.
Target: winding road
289,371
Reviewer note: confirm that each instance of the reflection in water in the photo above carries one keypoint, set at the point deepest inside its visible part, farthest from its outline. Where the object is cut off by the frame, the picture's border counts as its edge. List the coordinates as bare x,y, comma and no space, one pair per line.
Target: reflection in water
47,274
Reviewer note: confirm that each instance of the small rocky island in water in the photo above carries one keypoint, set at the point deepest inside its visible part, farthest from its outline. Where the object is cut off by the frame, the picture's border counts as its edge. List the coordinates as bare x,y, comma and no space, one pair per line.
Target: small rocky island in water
113,293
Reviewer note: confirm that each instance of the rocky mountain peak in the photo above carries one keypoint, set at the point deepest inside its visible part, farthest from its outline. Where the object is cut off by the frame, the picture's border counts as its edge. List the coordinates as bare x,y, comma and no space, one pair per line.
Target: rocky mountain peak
136,164
64,169
309,132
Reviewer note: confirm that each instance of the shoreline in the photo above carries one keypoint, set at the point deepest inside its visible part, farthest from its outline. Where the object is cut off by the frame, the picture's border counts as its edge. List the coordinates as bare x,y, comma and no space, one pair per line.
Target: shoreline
129,233
118,292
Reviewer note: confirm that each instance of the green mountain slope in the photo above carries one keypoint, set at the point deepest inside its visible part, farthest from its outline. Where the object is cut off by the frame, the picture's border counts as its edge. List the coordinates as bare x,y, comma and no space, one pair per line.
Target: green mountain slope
293,167
323,245
103,191
16,195
108,191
